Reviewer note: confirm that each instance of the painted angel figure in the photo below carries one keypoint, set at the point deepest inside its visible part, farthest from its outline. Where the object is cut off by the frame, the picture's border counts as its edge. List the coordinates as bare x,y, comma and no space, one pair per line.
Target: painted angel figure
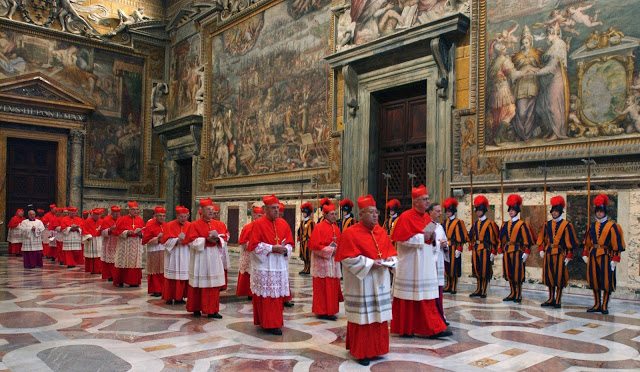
578,16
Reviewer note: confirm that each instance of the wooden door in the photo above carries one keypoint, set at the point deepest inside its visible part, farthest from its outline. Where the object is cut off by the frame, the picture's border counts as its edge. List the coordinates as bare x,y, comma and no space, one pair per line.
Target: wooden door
233,217
401,146
31,174
184,184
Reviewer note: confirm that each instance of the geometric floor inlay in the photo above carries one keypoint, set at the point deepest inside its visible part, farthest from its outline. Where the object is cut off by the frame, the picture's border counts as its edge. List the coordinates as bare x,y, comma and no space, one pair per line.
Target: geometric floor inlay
82,358
66,320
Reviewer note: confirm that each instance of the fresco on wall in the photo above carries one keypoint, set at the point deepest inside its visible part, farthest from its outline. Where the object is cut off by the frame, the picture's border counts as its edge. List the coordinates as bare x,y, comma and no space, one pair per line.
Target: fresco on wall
561,71
112,81
365,21
185,77
269,93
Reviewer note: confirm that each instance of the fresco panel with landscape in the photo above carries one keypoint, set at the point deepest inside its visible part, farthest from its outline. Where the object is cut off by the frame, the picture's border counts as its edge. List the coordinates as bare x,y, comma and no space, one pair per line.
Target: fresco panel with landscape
114,82
269,92
561,71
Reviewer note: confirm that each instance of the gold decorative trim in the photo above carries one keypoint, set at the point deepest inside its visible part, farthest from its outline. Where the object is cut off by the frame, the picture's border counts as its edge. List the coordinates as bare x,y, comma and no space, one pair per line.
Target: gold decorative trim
61,163
557,150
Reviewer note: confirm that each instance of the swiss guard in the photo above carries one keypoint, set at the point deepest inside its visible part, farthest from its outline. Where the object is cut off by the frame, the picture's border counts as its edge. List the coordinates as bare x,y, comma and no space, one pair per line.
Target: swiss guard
603,244
457,236
556,242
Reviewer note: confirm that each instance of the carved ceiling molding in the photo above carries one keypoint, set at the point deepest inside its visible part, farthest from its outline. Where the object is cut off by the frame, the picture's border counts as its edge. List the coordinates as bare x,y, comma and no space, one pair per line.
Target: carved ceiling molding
73,18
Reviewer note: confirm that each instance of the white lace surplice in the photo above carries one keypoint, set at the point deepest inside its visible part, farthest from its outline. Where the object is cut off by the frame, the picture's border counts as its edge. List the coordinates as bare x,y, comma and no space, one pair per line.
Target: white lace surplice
323,265
92,246
206,267
31,240
270,272
415,276
176,260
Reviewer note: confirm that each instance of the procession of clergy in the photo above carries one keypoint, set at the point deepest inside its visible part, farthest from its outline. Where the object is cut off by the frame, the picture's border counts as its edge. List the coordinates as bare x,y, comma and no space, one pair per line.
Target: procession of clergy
190,259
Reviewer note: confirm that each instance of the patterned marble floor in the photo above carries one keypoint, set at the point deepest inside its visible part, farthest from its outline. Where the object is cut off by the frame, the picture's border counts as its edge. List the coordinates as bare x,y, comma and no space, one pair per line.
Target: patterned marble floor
65,320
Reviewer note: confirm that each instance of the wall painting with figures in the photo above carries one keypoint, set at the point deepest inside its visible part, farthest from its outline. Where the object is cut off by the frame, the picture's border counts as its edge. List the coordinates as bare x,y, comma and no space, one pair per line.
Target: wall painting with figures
561,72
268,110
185,77
113,81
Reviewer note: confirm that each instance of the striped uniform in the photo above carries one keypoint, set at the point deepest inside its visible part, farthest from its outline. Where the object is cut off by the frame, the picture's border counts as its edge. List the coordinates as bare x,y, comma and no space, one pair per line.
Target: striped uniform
346,223
603,243
516,237
557,240
457,236
304,234
484,235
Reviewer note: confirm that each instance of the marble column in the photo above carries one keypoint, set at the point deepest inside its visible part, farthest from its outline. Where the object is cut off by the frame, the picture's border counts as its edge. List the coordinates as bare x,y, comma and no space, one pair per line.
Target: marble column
76,138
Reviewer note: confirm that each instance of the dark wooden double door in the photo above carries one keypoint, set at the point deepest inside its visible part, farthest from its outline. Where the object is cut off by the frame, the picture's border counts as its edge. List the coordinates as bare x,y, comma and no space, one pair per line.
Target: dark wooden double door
31,174
402,143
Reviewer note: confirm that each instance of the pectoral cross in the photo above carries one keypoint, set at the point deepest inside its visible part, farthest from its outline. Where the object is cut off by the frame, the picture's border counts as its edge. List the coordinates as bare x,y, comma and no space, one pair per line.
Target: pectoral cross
376,243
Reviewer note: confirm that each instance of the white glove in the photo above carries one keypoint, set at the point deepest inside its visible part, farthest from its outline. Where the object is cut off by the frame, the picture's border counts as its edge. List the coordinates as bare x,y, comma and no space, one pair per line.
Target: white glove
499,256
613,265
458,254
566,261
491,257
585,259
524,257
541,254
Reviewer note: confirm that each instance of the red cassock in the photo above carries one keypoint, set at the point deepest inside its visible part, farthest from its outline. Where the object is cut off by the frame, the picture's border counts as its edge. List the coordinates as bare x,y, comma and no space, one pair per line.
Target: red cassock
267,311
128,274
366,340
327,293
107,267
15,247
47,250
174,289
244,277
53,225
72,257
91,227
414,317
155,260
206,300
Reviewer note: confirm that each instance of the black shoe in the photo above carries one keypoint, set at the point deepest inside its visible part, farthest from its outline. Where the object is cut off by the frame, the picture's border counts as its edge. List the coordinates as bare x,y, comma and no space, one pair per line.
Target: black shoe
170,302
215,316
181,302
442,334
134,286
557,306
453,292
594,310
517,300
508,298
474,294
605,312
274,331
330,317
249,298
363,362
547,304
445,322
156,294
406,336
197,313
70,266
483,296
120,285
288,304
110,279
